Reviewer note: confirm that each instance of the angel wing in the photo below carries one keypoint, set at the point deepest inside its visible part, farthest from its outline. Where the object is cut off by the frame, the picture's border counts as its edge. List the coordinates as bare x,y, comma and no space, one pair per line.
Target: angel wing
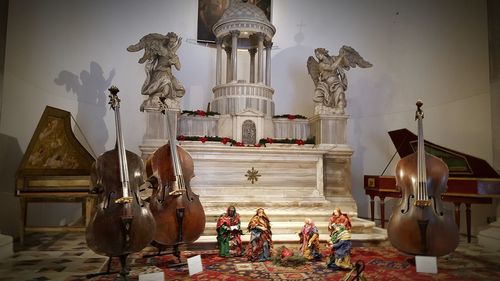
351,58
313,69
152,45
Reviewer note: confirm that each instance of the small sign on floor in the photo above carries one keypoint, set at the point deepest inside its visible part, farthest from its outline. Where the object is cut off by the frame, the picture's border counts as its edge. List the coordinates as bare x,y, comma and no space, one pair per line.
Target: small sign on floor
194,265
426,264
155,276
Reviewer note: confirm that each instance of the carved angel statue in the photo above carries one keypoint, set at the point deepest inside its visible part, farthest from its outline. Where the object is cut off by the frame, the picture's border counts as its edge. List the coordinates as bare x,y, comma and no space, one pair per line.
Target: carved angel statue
160,55
328,74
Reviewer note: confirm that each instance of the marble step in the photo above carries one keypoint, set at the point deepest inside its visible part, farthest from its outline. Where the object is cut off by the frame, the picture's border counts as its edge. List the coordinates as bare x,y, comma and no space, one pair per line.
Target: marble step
292,227
295,238
378,237
276,211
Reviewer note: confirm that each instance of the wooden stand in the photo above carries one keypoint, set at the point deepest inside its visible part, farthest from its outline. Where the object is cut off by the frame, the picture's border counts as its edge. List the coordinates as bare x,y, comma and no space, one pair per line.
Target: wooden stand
87,200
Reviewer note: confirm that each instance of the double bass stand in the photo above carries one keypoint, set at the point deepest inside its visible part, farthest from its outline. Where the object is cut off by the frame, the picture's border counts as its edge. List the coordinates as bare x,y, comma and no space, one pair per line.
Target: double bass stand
124,271
179,212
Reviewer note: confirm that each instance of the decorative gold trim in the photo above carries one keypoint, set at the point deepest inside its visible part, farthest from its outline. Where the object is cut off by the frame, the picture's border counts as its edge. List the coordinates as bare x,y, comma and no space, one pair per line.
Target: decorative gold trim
252,175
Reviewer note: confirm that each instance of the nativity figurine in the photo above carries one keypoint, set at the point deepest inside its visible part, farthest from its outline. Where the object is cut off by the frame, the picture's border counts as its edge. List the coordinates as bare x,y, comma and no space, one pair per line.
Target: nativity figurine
309,241
229,233
340,248
260,245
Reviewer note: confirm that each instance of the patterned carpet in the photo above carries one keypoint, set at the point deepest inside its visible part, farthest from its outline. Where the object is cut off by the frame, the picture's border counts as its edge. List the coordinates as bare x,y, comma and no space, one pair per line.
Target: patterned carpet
66,257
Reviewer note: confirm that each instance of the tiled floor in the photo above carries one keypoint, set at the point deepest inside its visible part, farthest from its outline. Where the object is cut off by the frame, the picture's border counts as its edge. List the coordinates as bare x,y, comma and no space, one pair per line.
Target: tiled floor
58,256
50,257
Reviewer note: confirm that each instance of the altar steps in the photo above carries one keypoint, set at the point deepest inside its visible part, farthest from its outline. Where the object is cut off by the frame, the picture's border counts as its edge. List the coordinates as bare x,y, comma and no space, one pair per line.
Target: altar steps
287,219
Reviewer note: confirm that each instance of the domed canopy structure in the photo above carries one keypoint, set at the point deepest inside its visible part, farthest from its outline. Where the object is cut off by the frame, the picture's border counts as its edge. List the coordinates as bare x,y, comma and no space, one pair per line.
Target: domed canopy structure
245,18
244,26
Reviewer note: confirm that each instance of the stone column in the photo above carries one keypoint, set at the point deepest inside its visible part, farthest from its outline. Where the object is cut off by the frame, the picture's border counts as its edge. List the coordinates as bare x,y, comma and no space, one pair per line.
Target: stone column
234,54
228,65
268,45
252,64
218,62
260,63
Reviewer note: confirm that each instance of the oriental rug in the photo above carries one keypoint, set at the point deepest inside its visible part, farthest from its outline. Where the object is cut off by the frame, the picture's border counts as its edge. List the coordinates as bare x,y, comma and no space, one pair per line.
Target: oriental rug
65,256
381,263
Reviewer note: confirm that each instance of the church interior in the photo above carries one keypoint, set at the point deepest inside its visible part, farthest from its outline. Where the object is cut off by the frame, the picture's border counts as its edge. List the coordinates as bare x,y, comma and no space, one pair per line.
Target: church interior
250,140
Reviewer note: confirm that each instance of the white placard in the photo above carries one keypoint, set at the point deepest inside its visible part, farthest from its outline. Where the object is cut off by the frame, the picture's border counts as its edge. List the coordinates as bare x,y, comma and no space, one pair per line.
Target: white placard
155,276
426,264
194,265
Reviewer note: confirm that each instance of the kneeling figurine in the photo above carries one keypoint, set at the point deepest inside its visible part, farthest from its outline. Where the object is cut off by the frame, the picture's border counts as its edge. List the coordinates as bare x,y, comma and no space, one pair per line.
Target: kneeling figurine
309,241
341,245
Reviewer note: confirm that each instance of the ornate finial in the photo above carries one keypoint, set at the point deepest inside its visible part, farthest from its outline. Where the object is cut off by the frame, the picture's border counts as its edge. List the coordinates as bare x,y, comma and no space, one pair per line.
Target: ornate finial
114,101
419,104
419,113
113,90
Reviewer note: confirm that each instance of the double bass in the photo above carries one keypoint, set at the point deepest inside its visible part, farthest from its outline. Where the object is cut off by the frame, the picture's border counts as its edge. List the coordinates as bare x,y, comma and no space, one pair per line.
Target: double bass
122,223
178,212
419,225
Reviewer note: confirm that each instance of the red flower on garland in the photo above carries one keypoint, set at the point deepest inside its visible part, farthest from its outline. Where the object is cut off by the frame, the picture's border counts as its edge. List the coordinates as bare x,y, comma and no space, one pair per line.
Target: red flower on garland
225,140
291,117
269,140
181,138
299,142
239,144
203,139
257,145
201,113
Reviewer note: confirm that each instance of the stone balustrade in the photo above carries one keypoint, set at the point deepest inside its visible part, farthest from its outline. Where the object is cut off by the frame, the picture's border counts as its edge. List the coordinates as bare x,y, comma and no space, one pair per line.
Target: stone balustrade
234,98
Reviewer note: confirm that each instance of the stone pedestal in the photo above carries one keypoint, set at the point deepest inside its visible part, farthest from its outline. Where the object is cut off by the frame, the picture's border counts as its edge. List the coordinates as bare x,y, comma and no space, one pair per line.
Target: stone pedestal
337,177
490,236
329,129
156,130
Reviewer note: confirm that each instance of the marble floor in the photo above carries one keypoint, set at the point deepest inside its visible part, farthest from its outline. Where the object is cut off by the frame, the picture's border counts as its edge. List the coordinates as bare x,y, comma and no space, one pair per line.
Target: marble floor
59,256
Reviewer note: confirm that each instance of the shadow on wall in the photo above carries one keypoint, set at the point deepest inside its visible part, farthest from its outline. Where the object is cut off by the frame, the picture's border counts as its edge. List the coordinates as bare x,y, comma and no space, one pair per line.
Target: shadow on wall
90,88
290,65
11,155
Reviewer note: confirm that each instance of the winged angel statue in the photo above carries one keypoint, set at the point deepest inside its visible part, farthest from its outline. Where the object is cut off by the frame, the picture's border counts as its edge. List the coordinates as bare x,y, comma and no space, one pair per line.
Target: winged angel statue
159,56
328,74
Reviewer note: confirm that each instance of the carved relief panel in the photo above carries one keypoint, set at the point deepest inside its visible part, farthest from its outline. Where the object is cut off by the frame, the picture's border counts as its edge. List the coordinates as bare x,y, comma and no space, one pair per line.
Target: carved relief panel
248,130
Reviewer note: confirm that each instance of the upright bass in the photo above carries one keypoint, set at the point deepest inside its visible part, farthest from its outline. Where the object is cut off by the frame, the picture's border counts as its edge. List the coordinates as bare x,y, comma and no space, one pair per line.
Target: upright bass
419,225
178,212
122,223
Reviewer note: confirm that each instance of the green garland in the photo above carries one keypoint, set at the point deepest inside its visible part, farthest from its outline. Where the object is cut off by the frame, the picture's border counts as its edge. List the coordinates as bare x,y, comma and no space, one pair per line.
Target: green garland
232,142
288,141
199,113
290,116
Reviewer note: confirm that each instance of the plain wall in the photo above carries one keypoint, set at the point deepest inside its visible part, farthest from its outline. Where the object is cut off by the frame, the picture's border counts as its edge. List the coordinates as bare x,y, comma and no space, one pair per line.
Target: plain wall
67,53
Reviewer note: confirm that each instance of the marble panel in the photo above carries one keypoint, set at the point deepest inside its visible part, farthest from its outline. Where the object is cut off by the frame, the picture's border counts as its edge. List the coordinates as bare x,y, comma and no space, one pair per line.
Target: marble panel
198,126
292,129
282,173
